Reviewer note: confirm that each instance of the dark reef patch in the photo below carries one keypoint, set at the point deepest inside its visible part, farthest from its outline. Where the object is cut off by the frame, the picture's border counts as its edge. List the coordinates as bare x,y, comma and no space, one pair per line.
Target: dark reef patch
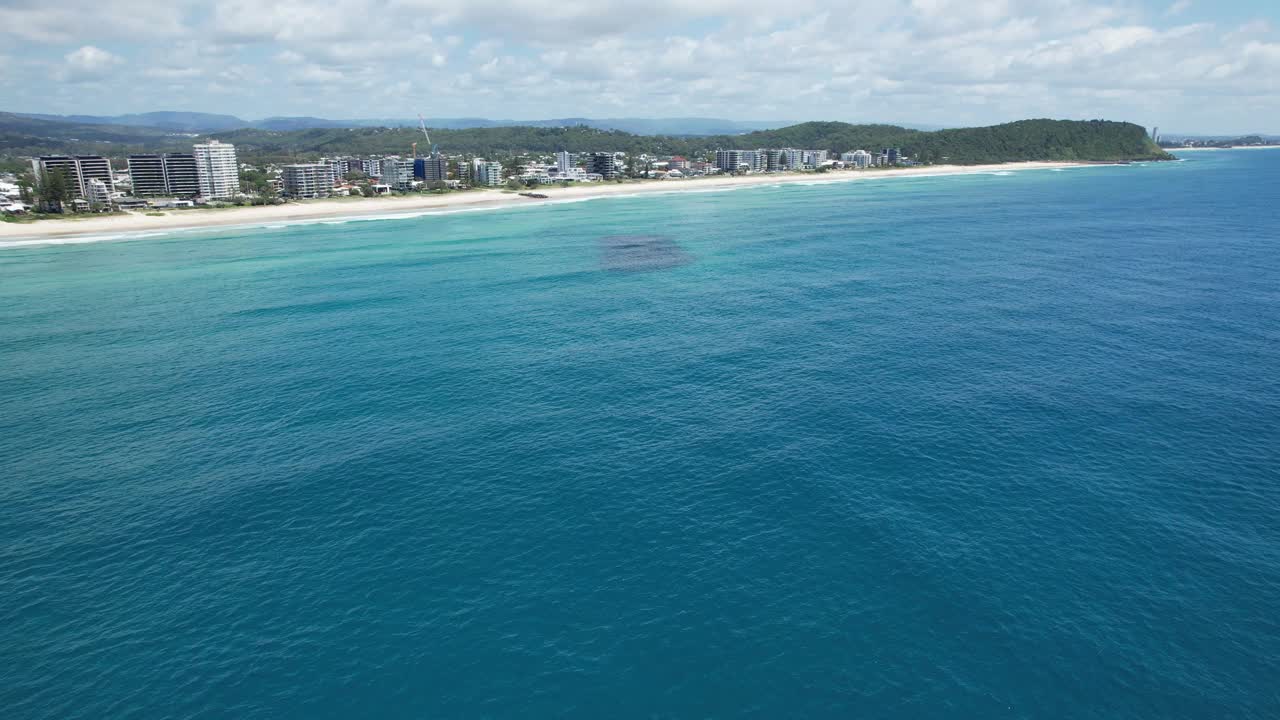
641,253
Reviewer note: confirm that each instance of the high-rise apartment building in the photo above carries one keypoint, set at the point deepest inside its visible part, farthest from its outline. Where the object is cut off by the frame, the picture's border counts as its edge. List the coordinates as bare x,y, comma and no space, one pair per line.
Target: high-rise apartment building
431,169
170,174
147,174
397,172
602,164
217,170
729,160
486,173
77,169
339,166
182,177
755,160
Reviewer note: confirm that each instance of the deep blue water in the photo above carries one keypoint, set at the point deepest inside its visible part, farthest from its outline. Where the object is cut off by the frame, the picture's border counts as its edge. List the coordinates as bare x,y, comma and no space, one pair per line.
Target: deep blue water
1003,446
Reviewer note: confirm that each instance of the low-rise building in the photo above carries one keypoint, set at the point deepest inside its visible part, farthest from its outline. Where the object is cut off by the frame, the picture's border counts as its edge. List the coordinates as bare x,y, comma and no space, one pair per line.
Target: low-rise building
815,158
99,193
307,180
131,203
576,174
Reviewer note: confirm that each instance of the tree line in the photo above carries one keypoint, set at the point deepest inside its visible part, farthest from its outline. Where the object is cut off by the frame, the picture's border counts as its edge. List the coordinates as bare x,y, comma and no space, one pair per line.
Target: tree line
1023,140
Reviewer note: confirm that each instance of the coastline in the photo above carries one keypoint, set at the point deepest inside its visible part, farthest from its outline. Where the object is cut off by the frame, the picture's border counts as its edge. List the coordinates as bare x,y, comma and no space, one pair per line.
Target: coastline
137,224
1175,151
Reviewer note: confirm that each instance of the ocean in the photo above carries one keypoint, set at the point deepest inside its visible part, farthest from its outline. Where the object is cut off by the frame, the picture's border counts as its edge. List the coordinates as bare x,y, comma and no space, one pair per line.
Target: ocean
991,446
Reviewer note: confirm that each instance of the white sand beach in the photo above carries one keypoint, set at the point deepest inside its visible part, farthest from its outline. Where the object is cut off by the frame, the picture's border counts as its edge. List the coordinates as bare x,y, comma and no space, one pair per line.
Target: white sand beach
46,231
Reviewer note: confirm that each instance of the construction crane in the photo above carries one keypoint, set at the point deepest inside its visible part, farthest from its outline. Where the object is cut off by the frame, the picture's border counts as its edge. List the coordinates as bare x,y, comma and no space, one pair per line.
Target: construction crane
435,149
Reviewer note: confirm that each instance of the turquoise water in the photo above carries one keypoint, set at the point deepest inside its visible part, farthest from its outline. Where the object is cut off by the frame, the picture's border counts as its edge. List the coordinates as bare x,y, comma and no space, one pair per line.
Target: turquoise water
992,446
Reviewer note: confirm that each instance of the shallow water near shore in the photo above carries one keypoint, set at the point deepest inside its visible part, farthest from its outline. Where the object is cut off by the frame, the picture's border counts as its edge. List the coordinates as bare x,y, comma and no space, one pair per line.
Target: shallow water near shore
81,229
974,446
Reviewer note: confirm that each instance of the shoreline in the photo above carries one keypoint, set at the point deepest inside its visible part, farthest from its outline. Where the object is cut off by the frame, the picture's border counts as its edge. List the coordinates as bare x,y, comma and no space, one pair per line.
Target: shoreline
1175,151
47,232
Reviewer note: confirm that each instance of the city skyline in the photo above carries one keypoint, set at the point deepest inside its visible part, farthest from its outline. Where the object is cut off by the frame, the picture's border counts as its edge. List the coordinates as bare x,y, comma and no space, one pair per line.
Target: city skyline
1190,67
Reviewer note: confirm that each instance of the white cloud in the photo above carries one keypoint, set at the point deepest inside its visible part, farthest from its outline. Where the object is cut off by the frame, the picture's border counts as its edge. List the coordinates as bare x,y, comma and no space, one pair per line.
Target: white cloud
317,75
69,21
285,20
172,73
87,63
939,61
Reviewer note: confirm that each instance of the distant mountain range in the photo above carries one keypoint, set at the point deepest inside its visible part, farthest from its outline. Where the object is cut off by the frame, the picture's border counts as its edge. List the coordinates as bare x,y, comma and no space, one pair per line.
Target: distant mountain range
195,122
172,121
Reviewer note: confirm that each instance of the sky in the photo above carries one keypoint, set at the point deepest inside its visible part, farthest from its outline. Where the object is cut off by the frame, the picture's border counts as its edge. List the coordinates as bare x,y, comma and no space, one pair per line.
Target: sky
1207,66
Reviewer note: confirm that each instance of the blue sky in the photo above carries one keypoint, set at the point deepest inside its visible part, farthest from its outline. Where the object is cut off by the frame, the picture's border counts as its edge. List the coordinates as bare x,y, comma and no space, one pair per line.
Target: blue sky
1185,65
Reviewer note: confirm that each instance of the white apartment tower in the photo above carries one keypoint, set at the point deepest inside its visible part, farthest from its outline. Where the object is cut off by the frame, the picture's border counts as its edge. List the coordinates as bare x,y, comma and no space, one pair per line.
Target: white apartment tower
307,180
217,169
486,173
99,192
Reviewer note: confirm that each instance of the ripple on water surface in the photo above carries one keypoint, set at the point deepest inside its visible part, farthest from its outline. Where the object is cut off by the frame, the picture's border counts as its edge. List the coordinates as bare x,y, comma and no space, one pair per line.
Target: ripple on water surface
954,447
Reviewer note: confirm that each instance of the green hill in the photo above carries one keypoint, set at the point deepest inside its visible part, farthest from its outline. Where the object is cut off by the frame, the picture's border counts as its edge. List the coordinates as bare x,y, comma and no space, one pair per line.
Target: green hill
1038,140
834,136
1011,142
1023,140
1017,141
